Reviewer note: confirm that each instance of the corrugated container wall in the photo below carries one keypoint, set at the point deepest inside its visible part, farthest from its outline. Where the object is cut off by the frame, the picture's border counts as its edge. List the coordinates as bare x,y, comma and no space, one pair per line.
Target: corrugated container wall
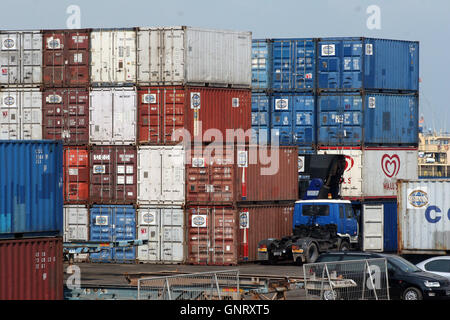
424,216
373,172
113,223
21,113
163,227
112,116
193,56
261,118
31,180
161,175
76,174
369,119
21,58
231,174
31,269
216,233
66,115
66,58
113,175
76,223
205,113
367,63
113,57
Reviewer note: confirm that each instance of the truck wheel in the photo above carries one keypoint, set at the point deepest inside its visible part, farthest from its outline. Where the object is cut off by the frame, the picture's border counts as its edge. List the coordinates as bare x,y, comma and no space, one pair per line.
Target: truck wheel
344,246
312,253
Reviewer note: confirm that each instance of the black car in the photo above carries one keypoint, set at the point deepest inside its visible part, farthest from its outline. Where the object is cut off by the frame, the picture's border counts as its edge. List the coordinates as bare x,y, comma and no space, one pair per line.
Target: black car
406,281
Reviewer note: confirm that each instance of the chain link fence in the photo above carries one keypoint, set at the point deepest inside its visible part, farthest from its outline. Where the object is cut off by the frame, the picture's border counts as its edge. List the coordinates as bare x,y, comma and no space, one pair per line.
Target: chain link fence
347,280
219,285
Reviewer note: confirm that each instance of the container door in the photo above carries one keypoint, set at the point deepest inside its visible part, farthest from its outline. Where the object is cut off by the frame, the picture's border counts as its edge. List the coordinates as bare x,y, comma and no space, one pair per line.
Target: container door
31,58
172,113
31,114
172,234
101,113
76,223
10,116
10,58
173,56
124,116
373,227
223,237
172,174
149,225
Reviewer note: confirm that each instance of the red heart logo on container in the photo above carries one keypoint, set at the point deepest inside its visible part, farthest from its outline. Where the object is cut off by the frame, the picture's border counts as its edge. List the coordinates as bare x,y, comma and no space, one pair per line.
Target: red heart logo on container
349,162
387,162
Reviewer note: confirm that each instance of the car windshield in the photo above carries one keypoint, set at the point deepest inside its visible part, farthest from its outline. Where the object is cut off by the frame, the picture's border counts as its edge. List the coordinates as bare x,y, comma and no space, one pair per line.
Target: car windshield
404,265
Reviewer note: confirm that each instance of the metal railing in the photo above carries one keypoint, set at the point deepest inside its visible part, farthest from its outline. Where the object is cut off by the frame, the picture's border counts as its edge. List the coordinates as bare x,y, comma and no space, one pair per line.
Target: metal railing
347,280
218,285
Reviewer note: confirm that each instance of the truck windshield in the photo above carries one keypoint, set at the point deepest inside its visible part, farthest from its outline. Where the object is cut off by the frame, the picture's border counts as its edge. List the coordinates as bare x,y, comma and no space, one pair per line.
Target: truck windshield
316,210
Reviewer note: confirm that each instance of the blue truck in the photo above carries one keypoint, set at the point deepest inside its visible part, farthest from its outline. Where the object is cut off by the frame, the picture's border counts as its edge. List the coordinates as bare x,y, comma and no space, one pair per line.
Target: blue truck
322,222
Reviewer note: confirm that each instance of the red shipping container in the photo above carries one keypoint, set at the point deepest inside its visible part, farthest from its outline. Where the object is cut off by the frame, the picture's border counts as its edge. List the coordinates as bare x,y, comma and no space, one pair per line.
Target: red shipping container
66,58
241,173
76,175
113,175
66,115
31,269
225,235
164,109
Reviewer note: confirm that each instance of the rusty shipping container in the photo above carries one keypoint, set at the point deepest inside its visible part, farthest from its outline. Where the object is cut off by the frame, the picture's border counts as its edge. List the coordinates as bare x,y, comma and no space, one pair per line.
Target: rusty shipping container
226,235
76,175
113,175
31,269
231,174
66,58
66,115
162,110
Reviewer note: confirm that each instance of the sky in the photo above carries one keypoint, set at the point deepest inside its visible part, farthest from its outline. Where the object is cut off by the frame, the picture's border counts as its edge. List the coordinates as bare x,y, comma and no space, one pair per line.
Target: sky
426,21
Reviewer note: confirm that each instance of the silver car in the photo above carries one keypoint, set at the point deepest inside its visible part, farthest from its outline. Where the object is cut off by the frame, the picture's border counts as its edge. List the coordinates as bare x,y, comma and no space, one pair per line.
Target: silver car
439,265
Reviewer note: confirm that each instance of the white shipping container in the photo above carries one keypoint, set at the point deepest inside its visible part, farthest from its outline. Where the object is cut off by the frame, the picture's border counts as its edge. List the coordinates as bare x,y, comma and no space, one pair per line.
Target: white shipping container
163,227
424,216
194,56
76,223
20,114
373,172
161,175
113,116
21,58
113,57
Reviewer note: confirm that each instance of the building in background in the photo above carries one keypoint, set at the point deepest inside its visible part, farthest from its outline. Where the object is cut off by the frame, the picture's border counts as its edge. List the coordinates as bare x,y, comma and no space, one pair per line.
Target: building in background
434,155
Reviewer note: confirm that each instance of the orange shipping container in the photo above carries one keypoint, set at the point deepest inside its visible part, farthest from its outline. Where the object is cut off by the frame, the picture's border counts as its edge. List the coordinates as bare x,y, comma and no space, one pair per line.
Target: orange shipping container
225,235
230,174
76,175
164,109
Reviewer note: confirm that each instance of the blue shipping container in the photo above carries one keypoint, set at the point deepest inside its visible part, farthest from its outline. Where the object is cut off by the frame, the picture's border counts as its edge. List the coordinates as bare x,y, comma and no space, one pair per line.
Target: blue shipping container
261,64
367,63
352,119
31,182
284,118
294,64
113,223
390,225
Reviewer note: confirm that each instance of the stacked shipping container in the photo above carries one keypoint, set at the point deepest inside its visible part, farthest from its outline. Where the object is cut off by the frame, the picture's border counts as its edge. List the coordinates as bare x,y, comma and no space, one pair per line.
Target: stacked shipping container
351,96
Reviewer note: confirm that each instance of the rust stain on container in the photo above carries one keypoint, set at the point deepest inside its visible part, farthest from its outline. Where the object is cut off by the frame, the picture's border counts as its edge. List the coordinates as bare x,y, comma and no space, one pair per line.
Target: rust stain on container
66,115
66,58
165,109
76,175
229,174
218,235
113,175
31,269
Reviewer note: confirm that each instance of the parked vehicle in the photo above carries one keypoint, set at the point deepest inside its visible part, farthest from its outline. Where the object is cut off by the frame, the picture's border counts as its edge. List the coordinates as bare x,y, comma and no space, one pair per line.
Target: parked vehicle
438,265
406,281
